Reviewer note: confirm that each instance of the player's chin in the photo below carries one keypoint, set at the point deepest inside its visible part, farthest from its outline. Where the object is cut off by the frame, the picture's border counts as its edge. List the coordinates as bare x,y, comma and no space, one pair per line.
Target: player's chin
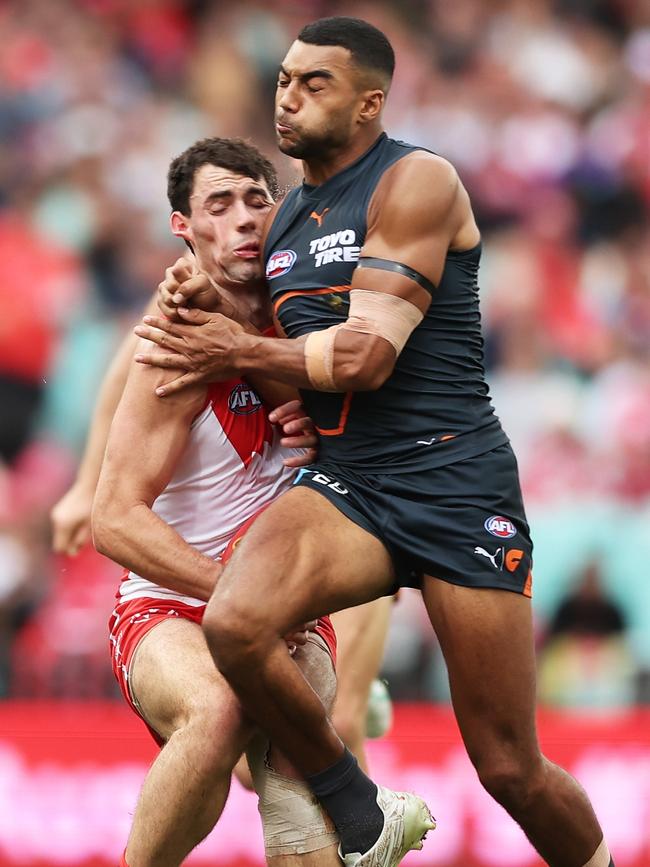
245,271
290,147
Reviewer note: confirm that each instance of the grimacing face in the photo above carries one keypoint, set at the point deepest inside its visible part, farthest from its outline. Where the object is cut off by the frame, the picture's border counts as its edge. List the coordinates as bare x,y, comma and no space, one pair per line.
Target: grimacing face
227,214
318,98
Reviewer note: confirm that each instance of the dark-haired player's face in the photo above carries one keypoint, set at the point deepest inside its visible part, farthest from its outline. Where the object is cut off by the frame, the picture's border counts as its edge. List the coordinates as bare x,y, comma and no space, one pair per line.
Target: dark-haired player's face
227,214
317,101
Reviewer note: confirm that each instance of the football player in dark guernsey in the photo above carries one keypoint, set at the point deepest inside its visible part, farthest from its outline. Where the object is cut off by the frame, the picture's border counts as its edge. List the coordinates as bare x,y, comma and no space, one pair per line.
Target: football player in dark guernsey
372,267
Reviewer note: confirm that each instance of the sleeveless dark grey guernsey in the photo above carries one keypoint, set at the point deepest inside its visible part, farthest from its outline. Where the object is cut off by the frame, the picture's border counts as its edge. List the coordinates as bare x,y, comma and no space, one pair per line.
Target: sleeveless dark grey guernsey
434,409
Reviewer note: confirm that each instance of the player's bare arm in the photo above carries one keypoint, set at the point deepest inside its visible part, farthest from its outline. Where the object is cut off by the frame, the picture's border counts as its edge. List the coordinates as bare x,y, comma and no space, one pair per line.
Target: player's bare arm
145,442
71,515
408,228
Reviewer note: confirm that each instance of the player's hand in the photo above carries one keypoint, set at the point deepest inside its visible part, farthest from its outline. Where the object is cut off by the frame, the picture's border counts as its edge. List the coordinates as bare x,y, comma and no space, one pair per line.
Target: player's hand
299,432
71,520
203,345
300,636
185,285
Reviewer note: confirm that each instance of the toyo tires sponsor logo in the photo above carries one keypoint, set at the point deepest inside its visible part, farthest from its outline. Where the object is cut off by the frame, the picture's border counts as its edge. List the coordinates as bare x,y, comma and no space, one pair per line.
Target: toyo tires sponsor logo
500,527
280,262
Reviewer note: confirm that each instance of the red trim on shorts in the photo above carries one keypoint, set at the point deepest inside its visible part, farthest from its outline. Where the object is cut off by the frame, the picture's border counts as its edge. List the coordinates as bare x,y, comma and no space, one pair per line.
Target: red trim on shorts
128,625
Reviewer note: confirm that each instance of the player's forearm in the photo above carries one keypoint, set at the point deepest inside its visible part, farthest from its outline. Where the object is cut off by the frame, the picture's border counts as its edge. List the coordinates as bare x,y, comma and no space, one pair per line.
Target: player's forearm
165,558
272,392
361,362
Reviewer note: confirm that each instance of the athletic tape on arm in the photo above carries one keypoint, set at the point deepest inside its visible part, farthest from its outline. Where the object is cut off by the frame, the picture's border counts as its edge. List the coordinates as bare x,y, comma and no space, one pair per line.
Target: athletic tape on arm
387,316
319,358
383,315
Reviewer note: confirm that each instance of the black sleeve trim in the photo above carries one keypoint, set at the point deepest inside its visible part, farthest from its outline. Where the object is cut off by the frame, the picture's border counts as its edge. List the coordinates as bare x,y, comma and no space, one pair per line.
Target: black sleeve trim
398,268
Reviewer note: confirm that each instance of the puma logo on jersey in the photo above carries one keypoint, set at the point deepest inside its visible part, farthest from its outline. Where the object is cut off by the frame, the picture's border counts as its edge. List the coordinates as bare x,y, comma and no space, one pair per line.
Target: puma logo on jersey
318,217
495,559
337,247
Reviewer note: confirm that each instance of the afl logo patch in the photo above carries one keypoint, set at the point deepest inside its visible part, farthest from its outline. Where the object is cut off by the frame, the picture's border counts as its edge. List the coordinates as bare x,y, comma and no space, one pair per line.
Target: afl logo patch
243,400
280,263
500,527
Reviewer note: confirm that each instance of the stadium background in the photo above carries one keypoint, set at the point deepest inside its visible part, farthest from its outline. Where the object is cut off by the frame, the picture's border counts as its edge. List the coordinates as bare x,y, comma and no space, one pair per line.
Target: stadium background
544,107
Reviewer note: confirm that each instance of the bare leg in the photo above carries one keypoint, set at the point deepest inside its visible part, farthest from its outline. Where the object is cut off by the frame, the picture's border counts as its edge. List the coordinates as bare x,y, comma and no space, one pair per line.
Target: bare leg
316,665
283,574
361,634
188,703
487,639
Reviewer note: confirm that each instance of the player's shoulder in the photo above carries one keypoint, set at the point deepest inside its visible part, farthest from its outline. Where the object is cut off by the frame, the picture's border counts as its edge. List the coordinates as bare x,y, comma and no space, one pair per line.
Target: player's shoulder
426,172
418,189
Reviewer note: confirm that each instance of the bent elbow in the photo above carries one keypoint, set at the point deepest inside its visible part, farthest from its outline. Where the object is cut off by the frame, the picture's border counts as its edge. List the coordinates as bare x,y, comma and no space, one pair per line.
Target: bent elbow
363,374
105,528
362,362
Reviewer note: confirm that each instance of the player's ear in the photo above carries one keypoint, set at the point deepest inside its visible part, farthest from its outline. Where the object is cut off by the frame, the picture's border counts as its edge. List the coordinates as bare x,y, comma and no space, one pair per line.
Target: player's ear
371,106
181,227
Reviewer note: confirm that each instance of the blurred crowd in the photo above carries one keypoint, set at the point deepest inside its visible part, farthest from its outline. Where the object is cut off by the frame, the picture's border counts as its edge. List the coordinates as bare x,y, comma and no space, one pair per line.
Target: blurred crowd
544,108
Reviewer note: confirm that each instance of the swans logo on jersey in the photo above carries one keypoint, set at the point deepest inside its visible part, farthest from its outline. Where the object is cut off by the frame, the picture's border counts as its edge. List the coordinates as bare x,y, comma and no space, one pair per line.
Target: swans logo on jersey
280,262
501,527
243,400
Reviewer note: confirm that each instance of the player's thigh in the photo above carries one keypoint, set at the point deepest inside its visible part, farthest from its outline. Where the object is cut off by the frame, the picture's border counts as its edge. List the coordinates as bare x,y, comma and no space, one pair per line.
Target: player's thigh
486,637
361,636
173,681
302,558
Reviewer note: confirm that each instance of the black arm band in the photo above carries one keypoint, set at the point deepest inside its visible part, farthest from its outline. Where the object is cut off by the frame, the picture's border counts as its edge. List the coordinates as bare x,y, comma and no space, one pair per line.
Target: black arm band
398,268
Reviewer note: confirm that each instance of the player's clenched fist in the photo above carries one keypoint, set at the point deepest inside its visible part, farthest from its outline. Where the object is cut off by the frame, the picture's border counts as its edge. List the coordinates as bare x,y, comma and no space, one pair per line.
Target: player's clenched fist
185,286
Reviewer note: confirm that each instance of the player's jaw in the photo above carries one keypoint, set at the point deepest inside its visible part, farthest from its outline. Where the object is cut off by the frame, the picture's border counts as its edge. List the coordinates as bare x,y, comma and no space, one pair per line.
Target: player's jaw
319,139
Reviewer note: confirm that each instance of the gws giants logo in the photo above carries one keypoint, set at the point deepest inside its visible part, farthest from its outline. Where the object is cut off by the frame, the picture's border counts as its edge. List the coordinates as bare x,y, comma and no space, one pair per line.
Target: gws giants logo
280,262
500,527
242,400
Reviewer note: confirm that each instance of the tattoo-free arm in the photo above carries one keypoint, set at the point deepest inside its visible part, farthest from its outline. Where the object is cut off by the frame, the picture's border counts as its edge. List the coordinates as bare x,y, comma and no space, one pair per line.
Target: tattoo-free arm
71,515
146,440
418,211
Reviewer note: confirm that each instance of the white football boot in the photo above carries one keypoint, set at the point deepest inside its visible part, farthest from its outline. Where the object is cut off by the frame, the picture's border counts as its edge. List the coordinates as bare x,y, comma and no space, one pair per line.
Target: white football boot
406,822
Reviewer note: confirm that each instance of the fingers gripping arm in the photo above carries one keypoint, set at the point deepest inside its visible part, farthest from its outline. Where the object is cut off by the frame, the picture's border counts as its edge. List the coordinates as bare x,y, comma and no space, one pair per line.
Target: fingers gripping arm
418,212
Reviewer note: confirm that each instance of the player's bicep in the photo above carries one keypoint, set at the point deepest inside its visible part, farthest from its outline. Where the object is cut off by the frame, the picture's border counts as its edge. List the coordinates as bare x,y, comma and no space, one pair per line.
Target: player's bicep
413,217
147,438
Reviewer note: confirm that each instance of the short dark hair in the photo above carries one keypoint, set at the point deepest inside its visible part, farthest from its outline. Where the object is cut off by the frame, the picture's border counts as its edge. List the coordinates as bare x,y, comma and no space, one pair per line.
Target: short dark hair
233,154
368,46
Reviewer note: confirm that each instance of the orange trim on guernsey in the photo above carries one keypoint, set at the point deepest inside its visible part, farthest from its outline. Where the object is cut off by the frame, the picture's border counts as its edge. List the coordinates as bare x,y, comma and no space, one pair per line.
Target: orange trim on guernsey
528,586
328,290
345,411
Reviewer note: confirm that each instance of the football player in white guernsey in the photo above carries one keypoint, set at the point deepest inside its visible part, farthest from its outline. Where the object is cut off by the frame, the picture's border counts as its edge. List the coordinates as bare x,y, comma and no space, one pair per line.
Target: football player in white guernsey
200,467
361,631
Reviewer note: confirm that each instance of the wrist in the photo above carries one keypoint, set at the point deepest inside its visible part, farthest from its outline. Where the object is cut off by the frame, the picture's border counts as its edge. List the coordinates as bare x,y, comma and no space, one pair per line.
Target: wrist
246,352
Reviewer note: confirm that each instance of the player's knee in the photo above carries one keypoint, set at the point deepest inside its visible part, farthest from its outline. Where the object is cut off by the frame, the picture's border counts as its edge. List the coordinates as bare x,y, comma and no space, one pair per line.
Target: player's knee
513,781
216,750
233,635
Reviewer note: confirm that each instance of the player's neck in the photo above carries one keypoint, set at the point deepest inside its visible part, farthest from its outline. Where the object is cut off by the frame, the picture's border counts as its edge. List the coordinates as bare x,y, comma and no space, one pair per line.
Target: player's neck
318,171
252,301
